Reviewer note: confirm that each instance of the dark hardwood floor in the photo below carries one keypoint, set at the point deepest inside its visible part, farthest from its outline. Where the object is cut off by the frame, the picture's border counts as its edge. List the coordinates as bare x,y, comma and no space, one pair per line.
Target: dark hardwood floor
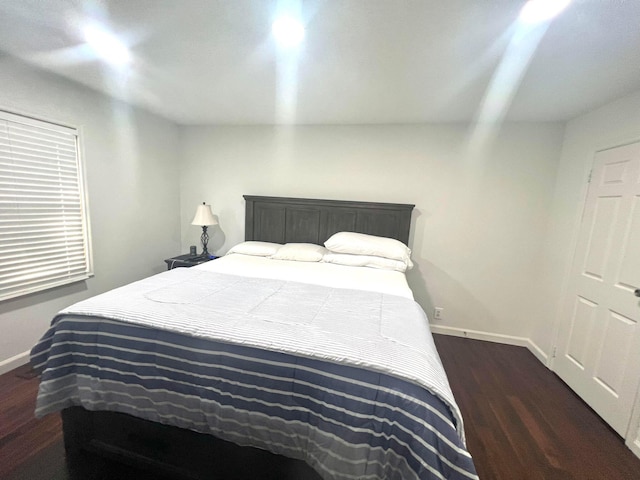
522,422
24,439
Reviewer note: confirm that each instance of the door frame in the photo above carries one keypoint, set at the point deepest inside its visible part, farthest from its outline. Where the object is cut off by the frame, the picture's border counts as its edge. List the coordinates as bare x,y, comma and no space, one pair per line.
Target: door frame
577,224
632,439
632,436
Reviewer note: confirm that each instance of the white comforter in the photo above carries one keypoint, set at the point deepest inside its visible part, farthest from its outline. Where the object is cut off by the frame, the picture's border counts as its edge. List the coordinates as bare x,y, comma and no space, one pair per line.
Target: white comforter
382,331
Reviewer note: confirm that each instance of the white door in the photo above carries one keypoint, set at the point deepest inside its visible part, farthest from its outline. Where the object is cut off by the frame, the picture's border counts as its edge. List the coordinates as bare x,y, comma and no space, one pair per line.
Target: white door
599,337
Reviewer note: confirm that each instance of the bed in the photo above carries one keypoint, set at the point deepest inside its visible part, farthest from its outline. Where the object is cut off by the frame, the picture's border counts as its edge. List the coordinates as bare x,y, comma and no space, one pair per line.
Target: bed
262,365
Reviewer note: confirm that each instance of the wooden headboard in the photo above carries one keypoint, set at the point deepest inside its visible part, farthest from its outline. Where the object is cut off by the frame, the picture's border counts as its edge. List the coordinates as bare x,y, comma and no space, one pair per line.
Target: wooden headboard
305,220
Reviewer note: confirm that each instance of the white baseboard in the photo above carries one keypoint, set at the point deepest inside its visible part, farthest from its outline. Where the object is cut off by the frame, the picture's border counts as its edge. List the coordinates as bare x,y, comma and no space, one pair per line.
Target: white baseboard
14,362
493,337
538,352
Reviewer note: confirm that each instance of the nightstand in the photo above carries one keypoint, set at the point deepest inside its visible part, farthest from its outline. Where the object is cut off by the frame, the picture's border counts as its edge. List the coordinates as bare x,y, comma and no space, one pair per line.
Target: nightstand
186,261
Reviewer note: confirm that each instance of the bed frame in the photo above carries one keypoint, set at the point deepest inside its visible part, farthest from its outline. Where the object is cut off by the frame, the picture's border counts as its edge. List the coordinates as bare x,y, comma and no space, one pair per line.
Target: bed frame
182,454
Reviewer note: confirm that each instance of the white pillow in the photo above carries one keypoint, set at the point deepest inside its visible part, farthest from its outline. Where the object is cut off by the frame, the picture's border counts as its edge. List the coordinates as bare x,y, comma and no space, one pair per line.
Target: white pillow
301,252
362,244
259,249
366,261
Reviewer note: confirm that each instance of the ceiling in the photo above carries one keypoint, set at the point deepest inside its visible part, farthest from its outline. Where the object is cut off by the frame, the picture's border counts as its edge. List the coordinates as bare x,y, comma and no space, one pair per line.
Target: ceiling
362,61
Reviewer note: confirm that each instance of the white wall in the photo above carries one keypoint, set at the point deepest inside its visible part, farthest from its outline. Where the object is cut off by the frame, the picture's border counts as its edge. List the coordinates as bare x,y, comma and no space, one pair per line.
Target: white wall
132,180
480,219
614,124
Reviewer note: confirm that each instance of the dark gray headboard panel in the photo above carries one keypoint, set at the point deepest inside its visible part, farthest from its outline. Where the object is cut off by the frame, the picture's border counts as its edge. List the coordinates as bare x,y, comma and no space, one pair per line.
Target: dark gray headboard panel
288,220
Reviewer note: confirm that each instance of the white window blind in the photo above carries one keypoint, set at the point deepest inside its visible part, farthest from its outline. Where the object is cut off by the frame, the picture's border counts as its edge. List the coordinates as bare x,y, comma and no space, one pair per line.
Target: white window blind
43,225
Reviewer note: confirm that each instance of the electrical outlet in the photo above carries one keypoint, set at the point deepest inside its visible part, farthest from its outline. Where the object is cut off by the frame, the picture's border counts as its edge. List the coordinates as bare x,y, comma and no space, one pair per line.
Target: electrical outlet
437,313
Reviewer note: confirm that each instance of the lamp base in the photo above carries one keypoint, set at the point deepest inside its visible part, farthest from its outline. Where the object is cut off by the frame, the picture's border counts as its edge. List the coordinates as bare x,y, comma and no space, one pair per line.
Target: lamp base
204,238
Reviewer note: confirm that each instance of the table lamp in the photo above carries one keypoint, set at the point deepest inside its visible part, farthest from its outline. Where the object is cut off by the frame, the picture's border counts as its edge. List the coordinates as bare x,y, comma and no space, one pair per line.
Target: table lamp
204,218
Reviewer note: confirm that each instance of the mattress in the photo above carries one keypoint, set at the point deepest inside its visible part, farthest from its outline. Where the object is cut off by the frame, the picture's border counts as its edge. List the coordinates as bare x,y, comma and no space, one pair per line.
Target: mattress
344,378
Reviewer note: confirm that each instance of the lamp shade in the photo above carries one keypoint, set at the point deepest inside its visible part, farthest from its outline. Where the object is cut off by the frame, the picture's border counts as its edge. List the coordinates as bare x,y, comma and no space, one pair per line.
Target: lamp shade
204,216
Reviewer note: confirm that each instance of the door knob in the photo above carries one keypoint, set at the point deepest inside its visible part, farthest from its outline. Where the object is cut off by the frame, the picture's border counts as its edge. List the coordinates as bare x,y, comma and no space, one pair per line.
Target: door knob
637,292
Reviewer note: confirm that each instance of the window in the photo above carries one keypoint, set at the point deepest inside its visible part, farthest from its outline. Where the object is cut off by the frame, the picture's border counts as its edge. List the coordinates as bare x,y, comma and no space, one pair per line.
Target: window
43,222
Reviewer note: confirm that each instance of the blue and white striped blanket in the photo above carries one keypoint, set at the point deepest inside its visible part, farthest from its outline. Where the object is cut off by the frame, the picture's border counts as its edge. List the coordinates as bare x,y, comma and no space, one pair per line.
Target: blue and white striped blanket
338,378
